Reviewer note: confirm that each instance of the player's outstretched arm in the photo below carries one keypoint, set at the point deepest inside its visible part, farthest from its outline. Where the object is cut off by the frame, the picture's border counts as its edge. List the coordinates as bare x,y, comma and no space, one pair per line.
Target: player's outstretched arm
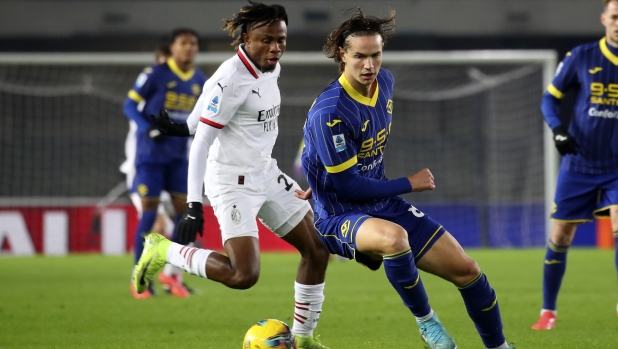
169,128
352,186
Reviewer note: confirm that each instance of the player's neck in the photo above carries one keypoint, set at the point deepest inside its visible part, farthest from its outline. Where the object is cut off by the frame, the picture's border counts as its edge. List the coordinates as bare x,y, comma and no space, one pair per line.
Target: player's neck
184,66
611,42
363,90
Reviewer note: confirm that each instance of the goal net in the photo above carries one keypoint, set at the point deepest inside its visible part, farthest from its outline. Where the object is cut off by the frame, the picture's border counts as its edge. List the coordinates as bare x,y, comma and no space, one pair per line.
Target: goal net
472,118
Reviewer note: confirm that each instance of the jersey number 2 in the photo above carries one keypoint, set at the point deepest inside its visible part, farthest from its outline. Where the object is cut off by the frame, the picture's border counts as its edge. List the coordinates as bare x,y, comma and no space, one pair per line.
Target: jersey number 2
288,186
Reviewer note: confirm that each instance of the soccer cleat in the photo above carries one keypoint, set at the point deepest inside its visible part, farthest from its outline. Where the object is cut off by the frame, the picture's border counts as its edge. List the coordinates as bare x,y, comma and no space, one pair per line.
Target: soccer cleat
171,285
512,346
309,343
150,261
547,321
434,334
143,295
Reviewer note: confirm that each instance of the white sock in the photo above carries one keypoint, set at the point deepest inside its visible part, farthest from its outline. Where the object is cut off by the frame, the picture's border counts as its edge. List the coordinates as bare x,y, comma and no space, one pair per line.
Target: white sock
426,317
555,312
309,299
190,259
503,346
171,270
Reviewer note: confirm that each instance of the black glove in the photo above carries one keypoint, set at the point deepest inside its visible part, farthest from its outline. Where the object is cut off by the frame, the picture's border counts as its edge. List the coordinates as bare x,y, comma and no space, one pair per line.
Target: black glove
168,127
565,142
155,134
191,224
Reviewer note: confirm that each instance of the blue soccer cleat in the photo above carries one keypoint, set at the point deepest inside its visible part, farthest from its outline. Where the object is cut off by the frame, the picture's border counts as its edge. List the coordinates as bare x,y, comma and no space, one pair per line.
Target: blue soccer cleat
435,335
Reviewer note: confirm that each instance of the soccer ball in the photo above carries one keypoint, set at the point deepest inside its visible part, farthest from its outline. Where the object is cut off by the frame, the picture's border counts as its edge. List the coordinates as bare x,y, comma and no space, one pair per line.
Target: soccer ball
269,333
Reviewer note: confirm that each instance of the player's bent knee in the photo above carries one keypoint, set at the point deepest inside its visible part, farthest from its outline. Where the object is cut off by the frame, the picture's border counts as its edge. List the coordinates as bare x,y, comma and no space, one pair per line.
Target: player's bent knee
319,254
466,271
394,239
243,281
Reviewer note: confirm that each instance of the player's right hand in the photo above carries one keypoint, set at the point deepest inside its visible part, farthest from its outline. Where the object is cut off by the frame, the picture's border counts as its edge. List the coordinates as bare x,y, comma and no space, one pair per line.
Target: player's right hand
191,224
422,180
565,142
303,195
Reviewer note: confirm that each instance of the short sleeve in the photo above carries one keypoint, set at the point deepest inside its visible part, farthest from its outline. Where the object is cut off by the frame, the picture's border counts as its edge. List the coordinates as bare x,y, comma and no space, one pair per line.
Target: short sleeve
144,86
220,102
333,141
194,118
566,76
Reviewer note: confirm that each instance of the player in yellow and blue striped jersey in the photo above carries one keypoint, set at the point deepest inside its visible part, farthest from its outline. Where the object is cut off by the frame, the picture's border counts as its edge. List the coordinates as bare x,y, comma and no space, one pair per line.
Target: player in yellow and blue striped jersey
161,161
588,179
358,213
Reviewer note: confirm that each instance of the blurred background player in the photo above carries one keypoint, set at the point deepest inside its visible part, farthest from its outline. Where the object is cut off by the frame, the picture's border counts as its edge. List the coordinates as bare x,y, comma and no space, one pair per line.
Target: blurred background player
165,212
358,213
237,127
161,162
587,183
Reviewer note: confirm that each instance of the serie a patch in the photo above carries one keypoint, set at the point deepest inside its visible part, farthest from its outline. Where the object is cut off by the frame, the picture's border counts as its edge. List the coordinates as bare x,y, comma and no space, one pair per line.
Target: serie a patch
339,142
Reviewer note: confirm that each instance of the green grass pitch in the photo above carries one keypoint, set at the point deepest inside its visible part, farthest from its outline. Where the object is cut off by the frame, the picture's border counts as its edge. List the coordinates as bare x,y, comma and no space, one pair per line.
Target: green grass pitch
83,301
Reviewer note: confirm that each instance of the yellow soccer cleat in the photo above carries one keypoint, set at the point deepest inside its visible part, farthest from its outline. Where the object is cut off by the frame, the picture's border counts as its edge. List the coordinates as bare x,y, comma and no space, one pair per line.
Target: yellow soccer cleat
309,343
151,261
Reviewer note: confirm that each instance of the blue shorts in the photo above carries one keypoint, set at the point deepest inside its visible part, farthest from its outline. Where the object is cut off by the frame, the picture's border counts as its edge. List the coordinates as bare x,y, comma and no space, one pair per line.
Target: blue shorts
581,196
151,179
338,233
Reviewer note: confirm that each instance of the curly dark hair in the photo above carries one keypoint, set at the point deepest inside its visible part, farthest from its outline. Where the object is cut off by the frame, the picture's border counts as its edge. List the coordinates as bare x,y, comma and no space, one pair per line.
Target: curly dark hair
358,25
253,16
183,31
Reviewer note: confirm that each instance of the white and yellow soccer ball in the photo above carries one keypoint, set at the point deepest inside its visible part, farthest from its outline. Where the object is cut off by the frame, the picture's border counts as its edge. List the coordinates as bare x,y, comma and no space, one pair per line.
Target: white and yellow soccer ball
269,334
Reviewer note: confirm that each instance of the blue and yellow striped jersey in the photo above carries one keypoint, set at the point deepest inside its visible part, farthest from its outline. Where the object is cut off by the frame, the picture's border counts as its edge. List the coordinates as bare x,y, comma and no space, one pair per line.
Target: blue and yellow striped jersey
165,86
591,71
345,129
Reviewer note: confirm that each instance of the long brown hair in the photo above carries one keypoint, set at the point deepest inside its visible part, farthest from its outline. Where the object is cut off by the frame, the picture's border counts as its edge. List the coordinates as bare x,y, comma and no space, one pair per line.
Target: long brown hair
358,25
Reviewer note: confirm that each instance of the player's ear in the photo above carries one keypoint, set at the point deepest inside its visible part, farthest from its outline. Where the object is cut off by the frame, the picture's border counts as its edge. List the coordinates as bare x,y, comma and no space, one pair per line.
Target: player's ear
246,39
342,54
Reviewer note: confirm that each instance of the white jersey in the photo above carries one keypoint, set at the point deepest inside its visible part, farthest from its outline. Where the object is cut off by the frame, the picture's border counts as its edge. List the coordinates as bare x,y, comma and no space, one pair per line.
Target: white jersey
245,104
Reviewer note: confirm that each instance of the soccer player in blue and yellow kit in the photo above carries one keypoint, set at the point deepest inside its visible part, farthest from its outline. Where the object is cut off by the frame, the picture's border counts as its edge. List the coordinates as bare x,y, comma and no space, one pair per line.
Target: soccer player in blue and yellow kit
588,178
358,213
161,161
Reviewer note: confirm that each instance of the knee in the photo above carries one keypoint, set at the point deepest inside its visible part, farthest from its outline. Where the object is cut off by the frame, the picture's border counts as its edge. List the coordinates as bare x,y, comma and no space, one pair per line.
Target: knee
243,280
465,272
563,233
315,253
320,253
394,239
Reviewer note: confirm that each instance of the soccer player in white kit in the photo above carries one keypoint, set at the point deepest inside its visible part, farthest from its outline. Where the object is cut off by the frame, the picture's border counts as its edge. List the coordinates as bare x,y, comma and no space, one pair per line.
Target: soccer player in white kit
231,156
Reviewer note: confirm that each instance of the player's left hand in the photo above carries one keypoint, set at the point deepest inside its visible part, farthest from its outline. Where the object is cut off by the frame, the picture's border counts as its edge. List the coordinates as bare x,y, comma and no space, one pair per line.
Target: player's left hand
167,127
304,195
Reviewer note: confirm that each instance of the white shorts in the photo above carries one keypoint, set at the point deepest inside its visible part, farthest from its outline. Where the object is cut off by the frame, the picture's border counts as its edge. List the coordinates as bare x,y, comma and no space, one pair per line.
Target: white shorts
276,207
